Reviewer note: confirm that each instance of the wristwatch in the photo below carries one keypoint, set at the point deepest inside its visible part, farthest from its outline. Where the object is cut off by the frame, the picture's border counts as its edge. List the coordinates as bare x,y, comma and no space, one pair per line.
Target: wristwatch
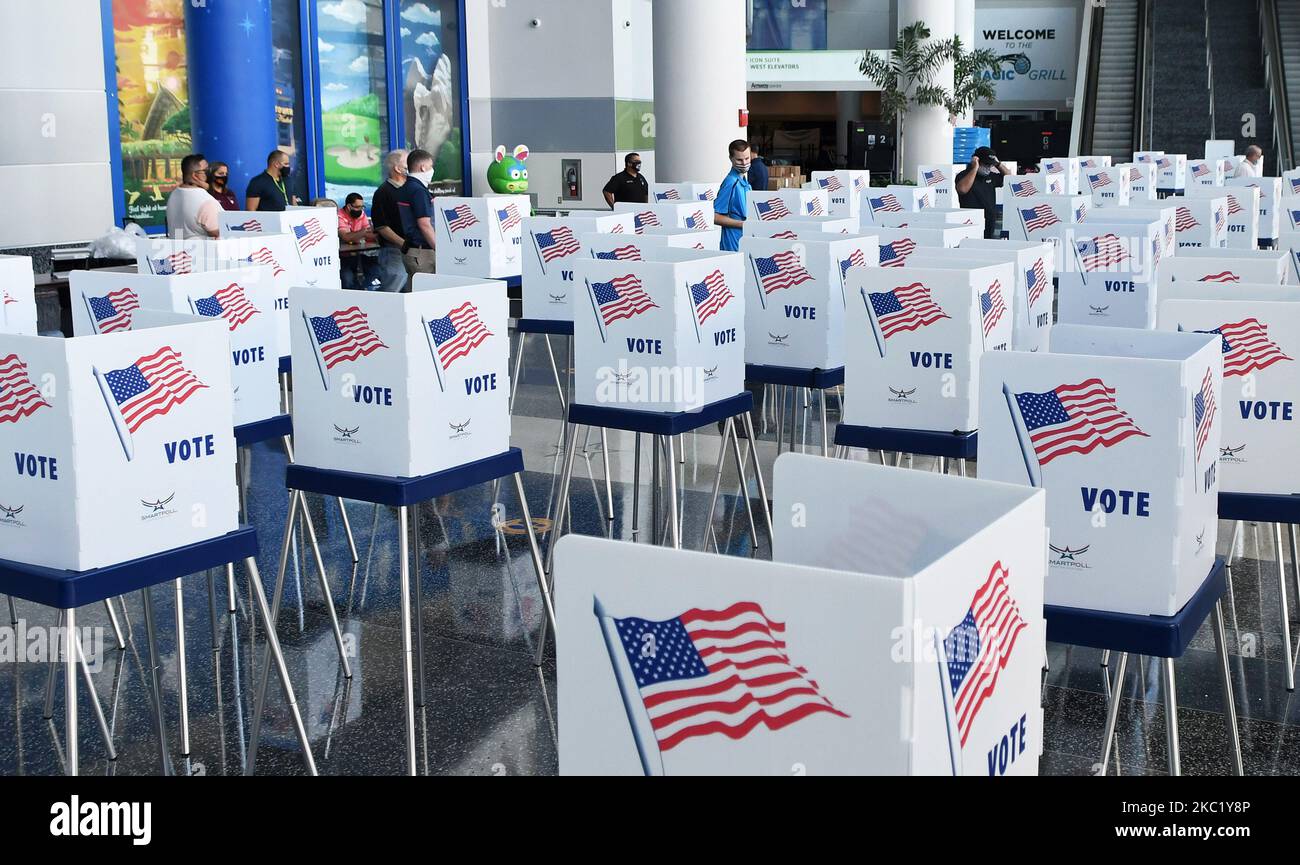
406,246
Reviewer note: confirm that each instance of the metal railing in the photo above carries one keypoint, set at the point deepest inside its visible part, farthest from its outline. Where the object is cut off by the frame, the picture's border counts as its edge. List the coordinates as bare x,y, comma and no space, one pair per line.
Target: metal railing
1142,79
1089,114
1209,68
1275,81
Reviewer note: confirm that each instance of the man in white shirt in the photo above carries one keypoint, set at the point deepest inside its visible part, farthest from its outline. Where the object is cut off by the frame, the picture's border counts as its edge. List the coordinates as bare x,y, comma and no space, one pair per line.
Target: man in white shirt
191,210
1252,165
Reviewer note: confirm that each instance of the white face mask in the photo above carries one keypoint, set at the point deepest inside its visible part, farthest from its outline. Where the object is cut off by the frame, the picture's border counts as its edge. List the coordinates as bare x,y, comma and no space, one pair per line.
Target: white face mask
425,177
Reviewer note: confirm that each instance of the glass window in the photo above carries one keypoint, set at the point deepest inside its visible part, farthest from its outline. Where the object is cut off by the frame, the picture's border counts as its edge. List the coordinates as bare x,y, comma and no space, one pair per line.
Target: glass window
153,103
353,97
431,88
779,25
289,116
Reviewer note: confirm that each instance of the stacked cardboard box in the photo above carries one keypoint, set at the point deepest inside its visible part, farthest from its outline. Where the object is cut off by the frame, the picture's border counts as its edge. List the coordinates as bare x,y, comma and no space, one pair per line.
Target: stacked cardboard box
786,177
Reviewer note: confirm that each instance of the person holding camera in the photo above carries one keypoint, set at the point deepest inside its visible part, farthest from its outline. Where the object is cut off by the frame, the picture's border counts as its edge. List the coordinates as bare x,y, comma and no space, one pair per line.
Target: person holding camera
976,185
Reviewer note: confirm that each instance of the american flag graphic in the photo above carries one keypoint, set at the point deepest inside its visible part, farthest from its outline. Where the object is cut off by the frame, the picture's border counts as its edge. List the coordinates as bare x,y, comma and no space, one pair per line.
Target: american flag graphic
458,333
1087,163
697,222
344,335
1156,246
249,225
1055,168
308,234
710,296
459,217
710,672
978,649
1219,219
1023,189
1081,213
175,264
1169,233
1184,221
779,271
228,303
113,311
1135,175
559,242
18,396
1204,406
264,256
508,217
1101,252
770,210
1295,185
815,207
1074,419
621,253
1224,276
831,184
933,178
903,309
617,229
1246,347
886,203
8,299
785,234
1146,157
1097,181
855,259
151,387
1038,218
1233,207
621,298
991,306
670,195
1200,169
895,253
1164,164
923,202
644,219
859,184
1036,281
708,195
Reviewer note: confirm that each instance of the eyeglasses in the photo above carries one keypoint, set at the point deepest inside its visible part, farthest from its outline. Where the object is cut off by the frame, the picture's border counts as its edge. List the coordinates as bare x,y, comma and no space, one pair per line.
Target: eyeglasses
635,164
200,171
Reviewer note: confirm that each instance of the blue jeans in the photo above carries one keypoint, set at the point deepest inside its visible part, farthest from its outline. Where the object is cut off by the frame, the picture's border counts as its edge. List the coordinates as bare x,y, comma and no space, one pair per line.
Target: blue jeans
392,272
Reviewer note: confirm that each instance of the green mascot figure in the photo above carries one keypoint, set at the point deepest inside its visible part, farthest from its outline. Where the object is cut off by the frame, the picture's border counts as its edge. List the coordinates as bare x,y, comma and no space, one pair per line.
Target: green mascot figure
509,175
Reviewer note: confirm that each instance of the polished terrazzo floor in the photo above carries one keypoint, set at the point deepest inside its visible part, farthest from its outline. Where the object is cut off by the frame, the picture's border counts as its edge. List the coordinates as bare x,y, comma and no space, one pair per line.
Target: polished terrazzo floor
487,709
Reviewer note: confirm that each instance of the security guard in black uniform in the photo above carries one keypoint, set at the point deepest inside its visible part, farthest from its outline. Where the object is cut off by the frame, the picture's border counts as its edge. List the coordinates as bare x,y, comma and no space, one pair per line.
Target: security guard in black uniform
628,184
976,185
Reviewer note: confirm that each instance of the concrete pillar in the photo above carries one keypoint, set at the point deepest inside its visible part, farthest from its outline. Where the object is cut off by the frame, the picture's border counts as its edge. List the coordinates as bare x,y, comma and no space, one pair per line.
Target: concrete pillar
848,109
964,26
699,81
927,134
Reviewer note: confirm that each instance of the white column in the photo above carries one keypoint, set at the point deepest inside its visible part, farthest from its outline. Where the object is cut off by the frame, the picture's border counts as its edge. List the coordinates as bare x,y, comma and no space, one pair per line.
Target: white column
849,108
965,28
927,134
700,87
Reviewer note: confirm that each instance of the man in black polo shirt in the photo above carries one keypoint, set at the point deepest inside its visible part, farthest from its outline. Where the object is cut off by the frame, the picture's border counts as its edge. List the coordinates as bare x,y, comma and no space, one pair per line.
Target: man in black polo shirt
976,185
388,223
267,190
628,184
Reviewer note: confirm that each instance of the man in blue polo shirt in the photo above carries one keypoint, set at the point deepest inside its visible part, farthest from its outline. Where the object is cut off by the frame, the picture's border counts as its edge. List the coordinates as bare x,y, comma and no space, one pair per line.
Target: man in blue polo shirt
733,197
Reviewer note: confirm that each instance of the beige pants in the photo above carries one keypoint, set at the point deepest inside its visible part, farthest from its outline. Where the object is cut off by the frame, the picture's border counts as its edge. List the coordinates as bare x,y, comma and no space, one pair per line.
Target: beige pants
418,261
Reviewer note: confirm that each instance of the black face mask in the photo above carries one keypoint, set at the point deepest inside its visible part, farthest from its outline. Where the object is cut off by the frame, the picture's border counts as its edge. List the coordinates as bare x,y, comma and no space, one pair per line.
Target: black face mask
218,182
355,214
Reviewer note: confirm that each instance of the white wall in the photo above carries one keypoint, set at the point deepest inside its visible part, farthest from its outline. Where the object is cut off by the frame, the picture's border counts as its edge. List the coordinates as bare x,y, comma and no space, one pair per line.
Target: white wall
54,155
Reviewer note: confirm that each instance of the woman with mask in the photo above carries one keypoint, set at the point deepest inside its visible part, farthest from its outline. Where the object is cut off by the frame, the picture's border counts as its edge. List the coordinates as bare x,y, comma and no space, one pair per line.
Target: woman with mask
219,186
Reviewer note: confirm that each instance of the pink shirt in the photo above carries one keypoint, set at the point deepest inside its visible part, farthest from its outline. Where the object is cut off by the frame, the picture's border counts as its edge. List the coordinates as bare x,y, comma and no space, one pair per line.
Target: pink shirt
347,223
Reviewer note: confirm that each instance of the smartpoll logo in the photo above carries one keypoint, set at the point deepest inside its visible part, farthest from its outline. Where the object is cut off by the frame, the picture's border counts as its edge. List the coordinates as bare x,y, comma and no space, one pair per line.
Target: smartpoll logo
778,340
9,516
898,395
158,508
558,298
1070,557
459,430
346,435
132,820
1232,455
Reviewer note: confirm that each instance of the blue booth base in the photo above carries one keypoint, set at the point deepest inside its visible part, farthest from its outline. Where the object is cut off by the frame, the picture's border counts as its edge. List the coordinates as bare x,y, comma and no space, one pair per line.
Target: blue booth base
67,590
793,376
402,492
1260,508
960,446
660,423
262,430
286,364
1155,636
544,325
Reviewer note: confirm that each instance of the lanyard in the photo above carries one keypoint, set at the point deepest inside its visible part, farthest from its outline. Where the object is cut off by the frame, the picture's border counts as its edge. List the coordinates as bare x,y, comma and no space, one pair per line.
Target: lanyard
279,184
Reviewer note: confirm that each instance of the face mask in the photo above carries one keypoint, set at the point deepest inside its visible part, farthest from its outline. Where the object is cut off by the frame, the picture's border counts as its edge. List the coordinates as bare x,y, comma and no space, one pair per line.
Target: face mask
218,182
355,214
284,174
425,177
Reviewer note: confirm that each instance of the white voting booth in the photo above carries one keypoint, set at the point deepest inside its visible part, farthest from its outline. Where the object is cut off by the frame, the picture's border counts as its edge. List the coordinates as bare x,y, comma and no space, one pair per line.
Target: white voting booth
914,338
1107,274
1038,218
1203,172
401,385
886,647
692,215
939,179
1261,266
1242,226
777,204
480,237
666,333
1258,328
896,244
17,295
1142,182
668,192
1028,185
550,245
1066,169
1270,197
1094,162
797,225
1201,222
843,188
877,201
795,296
1157,212
123,443
1171,171
1035,267
1121,427
313,230
1109,187
108,301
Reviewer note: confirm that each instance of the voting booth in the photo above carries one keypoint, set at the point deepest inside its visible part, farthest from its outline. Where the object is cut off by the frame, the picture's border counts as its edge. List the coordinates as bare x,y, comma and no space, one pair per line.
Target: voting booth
1166,216
313,230
794,225
1094,162
1107,274
17,295
480,237
843,188
1242,228
1171,172
1038,218
666,333
1121,427
1066,169
935,218
1258,330
1110,187
1142,181
893,199
669,192
914,338
896,244
550,245
777,204
919,656
108,301
692,215
123,444
709,238
1270,199
939,179
1203,172
1027,185
1201,222
795,296
1035,267
401,385
1260,266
